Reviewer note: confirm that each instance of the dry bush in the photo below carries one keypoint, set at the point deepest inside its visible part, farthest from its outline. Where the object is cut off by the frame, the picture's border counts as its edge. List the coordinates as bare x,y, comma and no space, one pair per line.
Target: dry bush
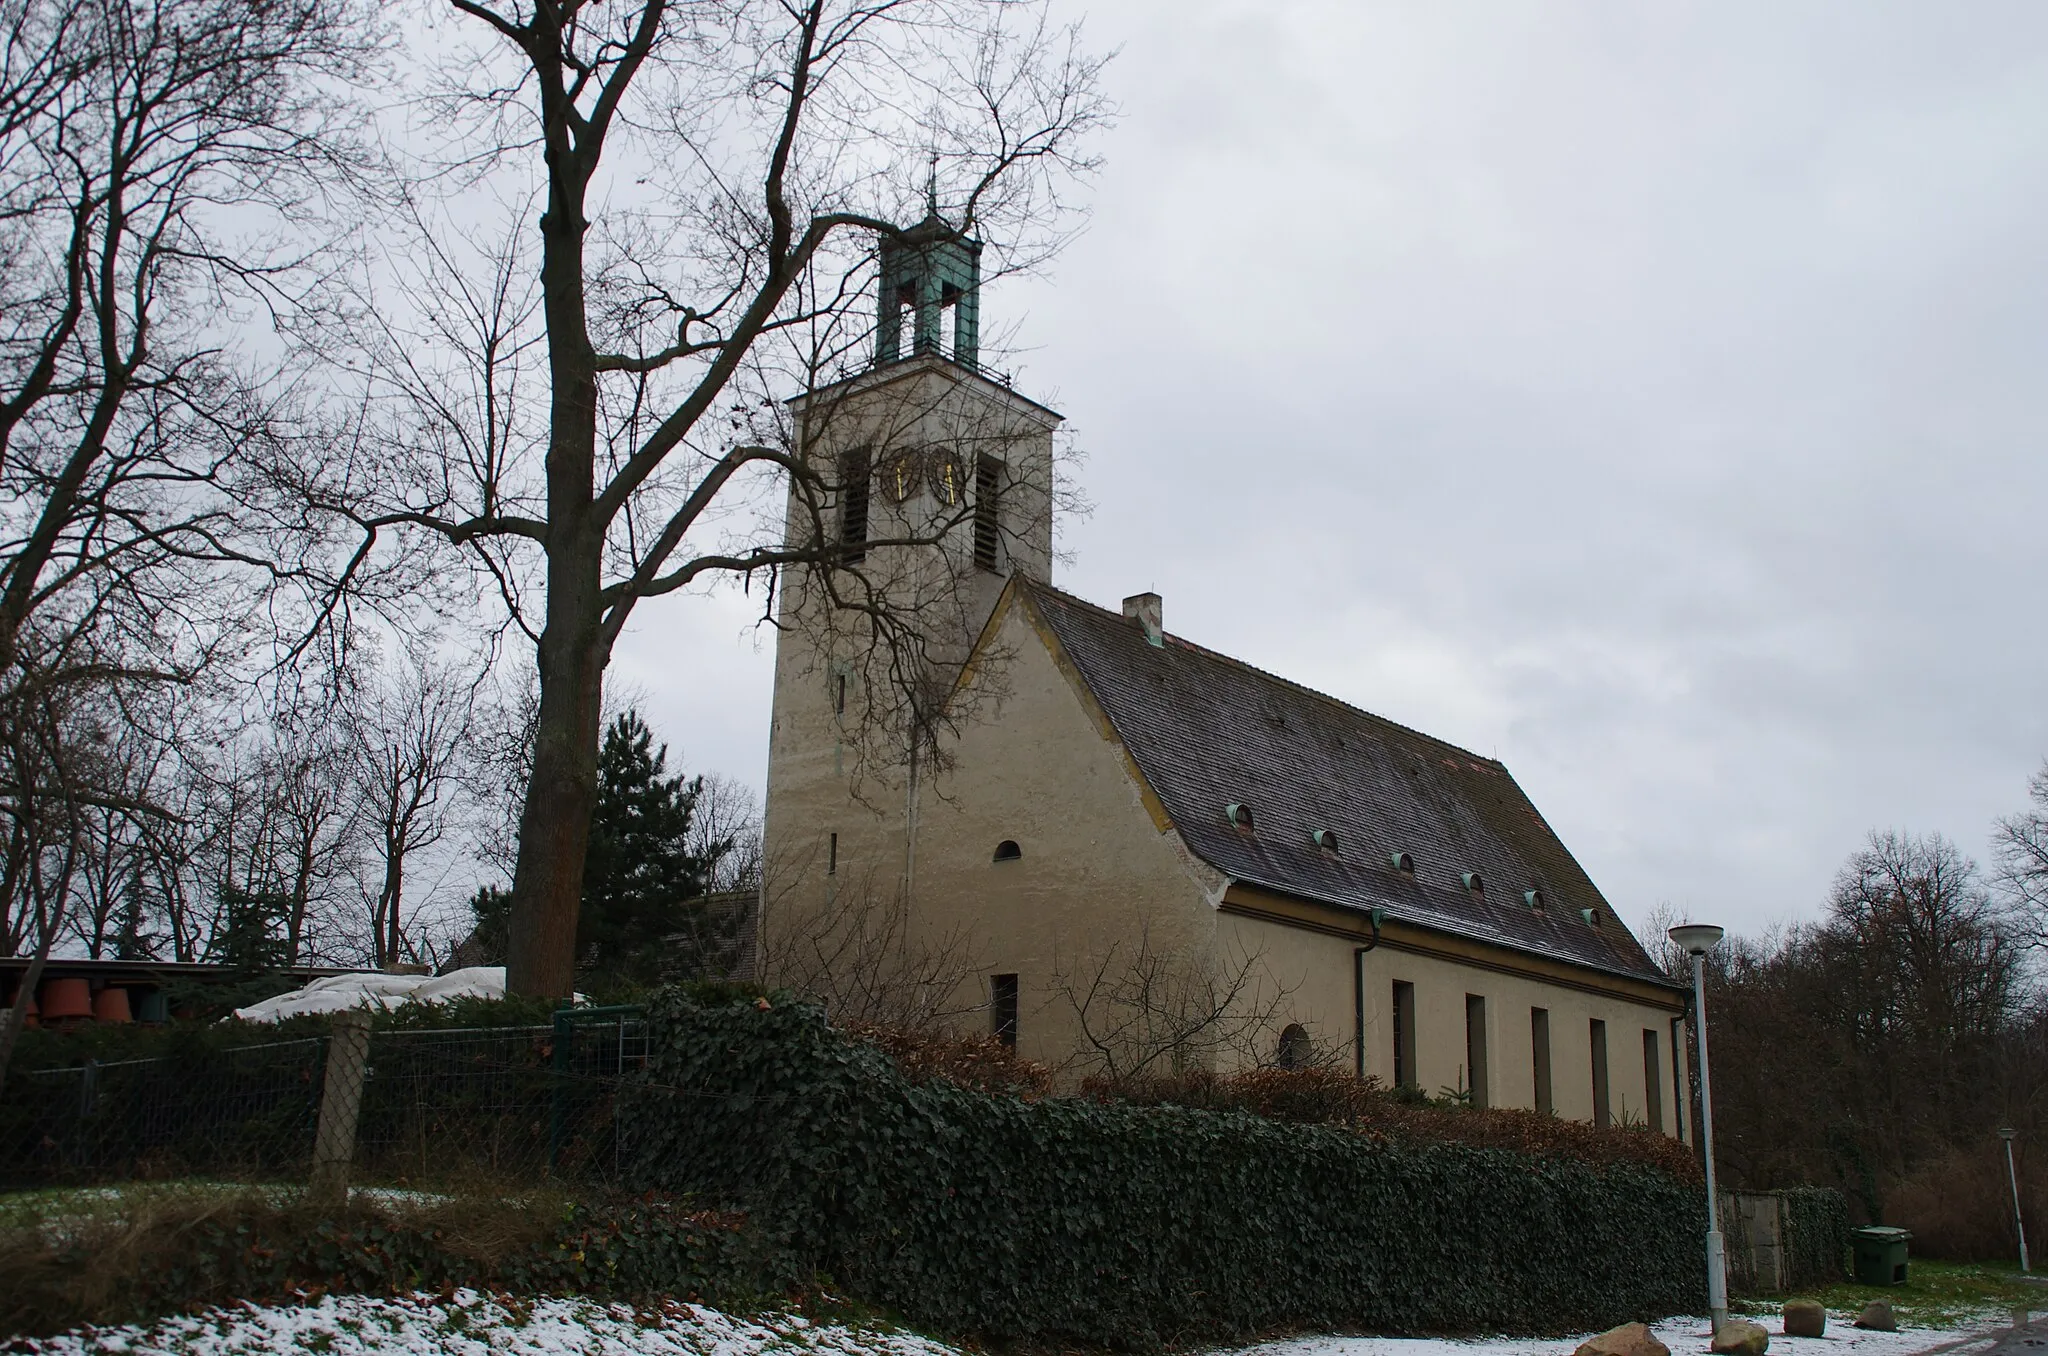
981,1063
1959,1207
103,1262
1322,1096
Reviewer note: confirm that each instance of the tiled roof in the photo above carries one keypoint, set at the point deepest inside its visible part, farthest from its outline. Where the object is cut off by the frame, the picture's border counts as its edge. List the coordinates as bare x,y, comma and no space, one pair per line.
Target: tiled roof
1207,730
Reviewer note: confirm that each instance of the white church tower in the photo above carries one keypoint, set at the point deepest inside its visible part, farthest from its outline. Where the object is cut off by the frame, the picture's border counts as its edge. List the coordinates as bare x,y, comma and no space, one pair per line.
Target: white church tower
935,479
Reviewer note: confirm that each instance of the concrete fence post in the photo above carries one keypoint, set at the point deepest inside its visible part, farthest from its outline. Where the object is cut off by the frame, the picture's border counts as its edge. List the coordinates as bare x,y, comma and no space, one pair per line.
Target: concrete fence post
341,1101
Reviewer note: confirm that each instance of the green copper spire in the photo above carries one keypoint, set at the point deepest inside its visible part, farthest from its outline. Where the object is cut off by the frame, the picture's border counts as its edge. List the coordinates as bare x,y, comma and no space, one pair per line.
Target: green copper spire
927,270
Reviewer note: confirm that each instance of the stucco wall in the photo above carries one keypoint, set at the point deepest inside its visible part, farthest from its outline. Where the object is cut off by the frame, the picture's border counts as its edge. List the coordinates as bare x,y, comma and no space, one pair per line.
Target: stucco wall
1098,871
1318,970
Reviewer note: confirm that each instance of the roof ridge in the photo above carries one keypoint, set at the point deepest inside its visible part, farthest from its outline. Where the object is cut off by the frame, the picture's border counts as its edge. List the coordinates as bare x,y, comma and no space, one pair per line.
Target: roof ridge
1302,688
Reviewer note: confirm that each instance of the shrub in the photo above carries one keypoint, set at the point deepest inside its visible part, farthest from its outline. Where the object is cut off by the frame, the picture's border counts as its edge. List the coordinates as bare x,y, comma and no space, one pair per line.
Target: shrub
1071,1219
1333,1097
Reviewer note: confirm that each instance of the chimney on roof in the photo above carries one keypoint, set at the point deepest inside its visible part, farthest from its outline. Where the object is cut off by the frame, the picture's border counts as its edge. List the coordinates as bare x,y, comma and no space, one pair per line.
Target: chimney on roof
1148,610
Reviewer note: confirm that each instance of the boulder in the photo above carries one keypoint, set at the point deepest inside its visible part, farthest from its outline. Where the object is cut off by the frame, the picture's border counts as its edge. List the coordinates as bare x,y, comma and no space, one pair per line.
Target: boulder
1805,1318
1630,1339
1877,1316
1740,1337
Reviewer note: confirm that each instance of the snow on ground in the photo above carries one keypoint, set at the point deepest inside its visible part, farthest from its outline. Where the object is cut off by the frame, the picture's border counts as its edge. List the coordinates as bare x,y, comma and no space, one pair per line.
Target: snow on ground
1685,1337
473,1324
476,1325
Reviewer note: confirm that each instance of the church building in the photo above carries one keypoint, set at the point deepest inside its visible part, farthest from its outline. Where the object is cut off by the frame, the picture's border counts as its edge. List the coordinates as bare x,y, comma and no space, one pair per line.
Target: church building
1118,850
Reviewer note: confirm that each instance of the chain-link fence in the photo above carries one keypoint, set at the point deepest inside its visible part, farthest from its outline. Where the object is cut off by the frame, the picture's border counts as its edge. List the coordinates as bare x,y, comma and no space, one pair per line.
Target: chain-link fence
405,1107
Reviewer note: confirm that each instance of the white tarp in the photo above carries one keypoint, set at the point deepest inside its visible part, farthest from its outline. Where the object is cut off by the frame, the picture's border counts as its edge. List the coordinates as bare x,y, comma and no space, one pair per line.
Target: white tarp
339,993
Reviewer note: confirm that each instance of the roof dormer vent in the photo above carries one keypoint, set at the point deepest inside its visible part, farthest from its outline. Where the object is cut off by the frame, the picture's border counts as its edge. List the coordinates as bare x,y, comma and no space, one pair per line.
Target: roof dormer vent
1533,898
1472,882
1240,816
1326,840
1403,863
1592,917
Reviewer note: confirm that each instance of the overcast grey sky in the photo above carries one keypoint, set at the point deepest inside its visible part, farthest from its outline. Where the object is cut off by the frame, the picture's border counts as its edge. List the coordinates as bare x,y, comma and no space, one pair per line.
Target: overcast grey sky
1651,396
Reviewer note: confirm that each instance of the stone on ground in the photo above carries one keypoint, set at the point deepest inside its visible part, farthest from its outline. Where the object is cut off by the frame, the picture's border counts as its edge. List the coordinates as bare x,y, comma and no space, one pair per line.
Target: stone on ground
1740,1337
1877,1316
1630,1339
1805,1318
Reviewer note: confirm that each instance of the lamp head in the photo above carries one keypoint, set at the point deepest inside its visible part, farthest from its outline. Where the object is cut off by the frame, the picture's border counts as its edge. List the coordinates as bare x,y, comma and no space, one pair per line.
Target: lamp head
2006,1133
1695,939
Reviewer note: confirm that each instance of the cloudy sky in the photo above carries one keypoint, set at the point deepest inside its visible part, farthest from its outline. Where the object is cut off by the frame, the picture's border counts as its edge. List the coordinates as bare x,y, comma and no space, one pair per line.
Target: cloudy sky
1651,396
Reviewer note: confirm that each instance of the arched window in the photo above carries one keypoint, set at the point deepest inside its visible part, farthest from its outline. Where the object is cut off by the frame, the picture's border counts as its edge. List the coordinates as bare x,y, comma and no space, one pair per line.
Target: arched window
1008,851
1295,1049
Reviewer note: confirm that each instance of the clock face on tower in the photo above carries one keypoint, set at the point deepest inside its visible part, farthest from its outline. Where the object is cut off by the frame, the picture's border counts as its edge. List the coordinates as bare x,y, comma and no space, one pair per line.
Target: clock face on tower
944,470
902,474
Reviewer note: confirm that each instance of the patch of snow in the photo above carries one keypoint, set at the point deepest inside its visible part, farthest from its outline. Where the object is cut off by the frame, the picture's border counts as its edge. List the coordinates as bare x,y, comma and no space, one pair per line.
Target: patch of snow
340,993
1686,1336
473,1324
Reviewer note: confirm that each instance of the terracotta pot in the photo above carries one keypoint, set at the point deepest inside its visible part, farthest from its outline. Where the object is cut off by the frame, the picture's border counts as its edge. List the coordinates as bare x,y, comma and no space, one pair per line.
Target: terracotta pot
67,999
111,1005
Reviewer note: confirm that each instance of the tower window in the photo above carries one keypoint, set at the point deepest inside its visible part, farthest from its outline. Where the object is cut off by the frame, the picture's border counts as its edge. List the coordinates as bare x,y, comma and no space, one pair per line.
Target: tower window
1002,1009
1539,1049
832,855
1405,1075
854,472
1296,1050
1008,851
839,695
988,508
1602,1114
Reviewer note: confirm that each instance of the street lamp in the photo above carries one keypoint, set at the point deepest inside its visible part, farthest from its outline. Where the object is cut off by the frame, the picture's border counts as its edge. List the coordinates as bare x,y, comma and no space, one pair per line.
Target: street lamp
1695,939
2012,1175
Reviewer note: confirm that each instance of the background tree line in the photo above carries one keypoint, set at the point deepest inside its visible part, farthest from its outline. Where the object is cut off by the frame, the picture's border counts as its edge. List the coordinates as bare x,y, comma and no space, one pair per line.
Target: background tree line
1880,1047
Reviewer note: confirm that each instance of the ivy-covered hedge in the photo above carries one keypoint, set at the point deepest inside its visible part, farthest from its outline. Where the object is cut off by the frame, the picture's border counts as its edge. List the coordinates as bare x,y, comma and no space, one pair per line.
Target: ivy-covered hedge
1068,1219
1816,1236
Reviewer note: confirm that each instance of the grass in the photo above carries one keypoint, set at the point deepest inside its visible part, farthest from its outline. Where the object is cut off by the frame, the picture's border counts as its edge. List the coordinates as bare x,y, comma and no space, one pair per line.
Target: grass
1935,1295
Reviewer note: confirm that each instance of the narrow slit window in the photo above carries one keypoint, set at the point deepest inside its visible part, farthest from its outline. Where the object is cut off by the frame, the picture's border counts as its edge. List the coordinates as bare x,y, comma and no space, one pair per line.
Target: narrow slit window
1653,1081
1405,1075
1539,1052
1003,1009
832,855
854,476
1602,1114
839,695
988,509
1475,1047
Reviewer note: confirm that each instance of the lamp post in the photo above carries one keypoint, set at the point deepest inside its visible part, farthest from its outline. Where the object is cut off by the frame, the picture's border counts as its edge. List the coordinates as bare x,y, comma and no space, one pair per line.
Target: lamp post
2012,1175
1695,939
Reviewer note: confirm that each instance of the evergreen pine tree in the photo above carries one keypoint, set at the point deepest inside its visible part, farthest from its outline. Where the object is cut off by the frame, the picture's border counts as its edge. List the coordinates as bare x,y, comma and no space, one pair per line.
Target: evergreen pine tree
640,868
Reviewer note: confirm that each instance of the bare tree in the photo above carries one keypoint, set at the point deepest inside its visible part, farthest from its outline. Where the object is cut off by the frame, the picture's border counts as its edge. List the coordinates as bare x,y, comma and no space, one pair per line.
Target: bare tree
2019,844
725,829
712,179
281,831
860,952
1145,1009
409,746
147,149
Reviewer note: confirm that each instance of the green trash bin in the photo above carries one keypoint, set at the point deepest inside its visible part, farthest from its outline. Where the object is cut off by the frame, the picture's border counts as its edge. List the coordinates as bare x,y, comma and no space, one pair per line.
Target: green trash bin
1880,1252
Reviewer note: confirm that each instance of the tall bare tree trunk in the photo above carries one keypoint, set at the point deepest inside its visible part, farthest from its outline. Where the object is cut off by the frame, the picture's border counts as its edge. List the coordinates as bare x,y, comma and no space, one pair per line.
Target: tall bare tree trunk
554,827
